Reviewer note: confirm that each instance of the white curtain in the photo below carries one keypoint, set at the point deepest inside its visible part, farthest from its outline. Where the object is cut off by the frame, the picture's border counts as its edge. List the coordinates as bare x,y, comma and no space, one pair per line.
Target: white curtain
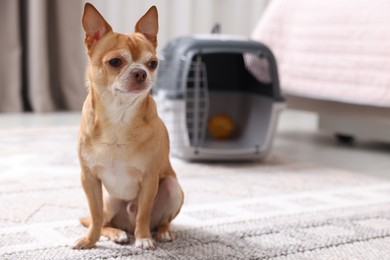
10,53
41,46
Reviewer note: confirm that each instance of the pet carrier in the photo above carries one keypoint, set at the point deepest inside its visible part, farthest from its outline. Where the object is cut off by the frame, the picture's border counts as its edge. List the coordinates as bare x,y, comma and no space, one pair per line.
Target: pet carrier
219,97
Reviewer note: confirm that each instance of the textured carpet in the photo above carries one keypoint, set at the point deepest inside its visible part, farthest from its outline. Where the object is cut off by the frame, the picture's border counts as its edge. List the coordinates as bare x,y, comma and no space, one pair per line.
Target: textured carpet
276,210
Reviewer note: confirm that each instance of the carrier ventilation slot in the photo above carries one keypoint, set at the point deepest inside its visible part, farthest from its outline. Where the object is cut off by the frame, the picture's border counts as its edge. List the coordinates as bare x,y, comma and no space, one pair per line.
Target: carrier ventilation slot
197,102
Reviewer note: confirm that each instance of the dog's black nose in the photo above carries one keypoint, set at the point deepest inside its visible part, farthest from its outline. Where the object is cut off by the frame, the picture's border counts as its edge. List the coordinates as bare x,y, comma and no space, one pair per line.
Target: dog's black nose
139,75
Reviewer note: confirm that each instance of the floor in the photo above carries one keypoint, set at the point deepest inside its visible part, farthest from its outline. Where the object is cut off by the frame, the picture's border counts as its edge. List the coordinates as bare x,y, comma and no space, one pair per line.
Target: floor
297,138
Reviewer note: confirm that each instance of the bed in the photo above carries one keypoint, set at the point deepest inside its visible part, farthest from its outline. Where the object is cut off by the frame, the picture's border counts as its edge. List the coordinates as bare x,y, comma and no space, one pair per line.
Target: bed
333,59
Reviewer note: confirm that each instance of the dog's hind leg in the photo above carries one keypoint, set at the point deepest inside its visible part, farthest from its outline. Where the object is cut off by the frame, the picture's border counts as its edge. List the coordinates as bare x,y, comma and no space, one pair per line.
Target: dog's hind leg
166,206
110,209
117,235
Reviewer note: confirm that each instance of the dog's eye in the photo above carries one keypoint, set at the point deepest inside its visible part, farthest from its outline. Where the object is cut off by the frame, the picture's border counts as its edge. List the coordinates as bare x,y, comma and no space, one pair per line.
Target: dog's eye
153,64
115,62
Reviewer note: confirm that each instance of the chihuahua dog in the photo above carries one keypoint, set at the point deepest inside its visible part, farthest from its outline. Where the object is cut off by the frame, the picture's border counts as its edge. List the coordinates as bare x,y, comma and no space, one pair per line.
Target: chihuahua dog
123,148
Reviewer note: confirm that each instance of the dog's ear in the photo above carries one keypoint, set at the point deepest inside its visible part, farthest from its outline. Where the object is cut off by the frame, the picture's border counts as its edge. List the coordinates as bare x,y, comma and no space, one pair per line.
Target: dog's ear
94,25
148,25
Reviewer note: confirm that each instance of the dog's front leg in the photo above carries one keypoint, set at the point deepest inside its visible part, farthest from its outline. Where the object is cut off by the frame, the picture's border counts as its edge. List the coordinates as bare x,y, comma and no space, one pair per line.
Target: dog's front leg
93,189
149,188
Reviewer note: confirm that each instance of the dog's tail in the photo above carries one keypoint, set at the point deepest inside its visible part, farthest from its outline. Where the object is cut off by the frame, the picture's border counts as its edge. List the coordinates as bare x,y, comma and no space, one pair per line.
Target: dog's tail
85,221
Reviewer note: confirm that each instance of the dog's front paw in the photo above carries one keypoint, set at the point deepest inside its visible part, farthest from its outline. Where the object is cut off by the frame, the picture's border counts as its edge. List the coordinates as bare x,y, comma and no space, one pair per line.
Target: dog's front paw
145,243
83,243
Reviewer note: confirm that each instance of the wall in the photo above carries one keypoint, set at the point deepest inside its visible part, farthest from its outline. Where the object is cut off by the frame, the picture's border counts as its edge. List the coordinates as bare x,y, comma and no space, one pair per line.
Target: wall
183,17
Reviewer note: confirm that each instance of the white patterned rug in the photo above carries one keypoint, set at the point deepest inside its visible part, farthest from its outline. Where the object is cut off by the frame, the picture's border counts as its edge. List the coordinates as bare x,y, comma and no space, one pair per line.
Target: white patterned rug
276,210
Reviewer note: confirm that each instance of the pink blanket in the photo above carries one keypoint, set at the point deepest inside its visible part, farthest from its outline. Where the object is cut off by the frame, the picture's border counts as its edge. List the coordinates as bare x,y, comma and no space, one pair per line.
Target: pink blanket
334,49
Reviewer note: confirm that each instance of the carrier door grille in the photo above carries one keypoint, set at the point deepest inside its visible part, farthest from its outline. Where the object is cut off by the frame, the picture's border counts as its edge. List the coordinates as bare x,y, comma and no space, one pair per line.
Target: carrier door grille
197,102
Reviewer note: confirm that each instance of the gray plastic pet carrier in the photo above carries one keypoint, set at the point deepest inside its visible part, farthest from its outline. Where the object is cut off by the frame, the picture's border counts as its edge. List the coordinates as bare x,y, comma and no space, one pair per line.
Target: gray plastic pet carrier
219,97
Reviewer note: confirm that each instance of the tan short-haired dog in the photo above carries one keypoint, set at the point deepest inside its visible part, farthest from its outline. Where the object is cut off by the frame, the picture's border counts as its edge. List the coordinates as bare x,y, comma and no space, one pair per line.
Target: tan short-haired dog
123,144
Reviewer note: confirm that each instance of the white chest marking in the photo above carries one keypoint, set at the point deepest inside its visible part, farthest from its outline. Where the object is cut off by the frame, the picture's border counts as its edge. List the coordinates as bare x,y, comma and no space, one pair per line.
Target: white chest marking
121,182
